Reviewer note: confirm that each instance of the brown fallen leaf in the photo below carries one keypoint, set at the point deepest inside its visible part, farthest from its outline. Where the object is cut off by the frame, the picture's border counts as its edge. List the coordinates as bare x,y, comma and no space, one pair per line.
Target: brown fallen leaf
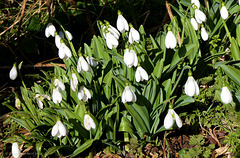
222,150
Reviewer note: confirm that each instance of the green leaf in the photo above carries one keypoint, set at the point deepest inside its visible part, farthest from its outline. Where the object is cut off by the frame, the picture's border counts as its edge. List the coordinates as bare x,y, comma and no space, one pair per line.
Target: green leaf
53,149
183,100
126,126
232,72
83,147
235,49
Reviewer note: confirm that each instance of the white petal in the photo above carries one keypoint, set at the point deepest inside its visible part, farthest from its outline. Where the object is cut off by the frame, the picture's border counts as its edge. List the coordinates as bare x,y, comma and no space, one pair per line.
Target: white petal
177,119
170,40
204,34
168,120
55,128
57,41
143,73
194,23
13,73
56,96
16,150
86,122
40,103
129,57
67,51
135,35
91,61
190,88
51,29
47,33
137,75
87,93
84,65
124,97
62,129
122,24
224,12
111,41
200,16
69,35
114,32
196,3
74,82
226,95
135,58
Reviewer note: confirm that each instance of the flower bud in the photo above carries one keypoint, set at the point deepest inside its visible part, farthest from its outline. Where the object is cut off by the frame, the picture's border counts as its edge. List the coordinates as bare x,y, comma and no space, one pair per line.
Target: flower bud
13,72
170,40
74,82
226,95
128,95
204,34
130,58
122,24
16,153
224,12
88,122
191,87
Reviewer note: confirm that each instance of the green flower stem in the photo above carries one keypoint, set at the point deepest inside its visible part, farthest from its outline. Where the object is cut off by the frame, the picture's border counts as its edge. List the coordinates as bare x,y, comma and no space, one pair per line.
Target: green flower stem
226,28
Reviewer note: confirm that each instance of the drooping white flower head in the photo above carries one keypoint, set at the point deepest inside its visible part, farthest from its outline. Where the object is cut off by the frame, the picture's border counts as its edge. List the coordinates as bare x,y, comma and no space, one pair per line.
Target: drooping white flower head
195,3
17,102
64,52
91,61
170,40
59,85
13,72
74,82
226,95
58,41
59,130
88,122
128,95
141,74
200,16
82,65
224,12
16,153
40,98
56,96
84,94
50,30
194,23
170,118
130,58
191,87
111,29
111,40
122,24
204,34
69,35
134,35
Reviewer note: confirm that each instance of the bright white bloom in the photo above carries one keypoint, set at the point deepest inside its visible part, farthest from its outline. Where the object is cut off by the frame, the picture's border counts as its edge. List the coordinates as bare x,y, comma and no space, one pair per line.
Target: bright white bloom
191,87
16,153
82,65
111,40
122,24
226,95
84,94
204,34
58,41
56,96
141,74
40,98
13,72
50,30
91,61
130,58
170,118
74,82
133,36
111,29
194,23
200,16
128,95
170,40
59,85
69,35
88,122
224,12
195,3
64,52
59,130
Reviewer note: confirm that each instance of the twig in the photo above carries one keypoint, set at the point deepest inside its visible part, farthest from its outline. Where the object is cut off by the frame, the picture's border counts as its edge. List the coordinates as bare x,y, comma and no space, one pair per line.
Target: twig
89,18
171,17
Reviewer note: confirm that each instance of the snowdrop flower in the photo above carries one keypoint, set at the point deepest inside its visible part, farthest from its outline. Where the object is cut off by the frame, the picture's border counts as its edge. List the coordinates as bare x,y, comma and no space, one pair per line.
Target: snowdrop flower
130,58
88,122
40,98
64,52
194,23
224,12
170,118
170,40
59,130
111,29
200,16
111,40
133,35
84,94
69,35
74,82
82,65
13,72
122,24
195,3
16,153
56,96
226,95
191,87
58,41
141,74
17,102
50,30
128,95
204,34
59,85
91,61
